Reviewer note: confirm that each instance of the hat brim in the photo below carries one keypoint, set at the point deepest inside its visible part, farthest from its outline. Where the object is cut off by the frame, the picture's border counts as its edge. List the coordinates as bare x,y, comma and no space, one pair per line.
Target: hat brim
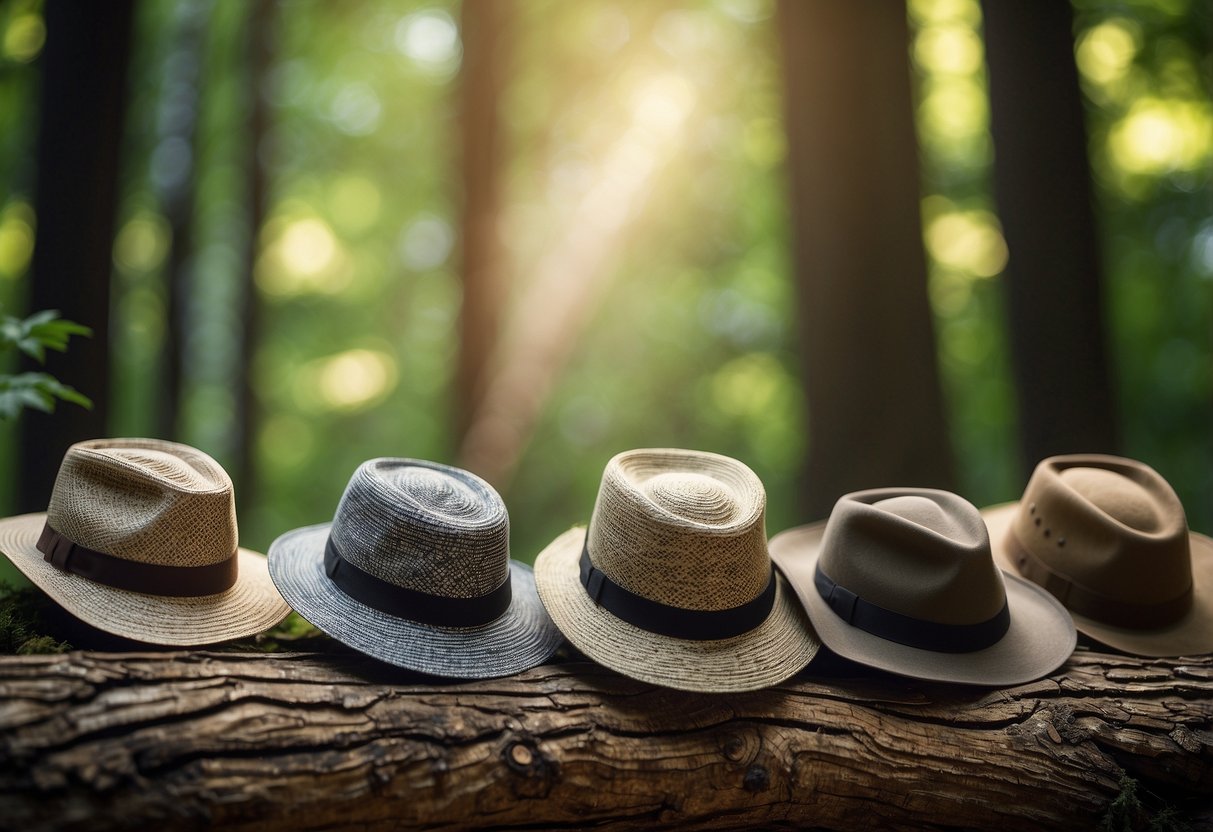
521,638
769,654
1039,640
1191,635
251,606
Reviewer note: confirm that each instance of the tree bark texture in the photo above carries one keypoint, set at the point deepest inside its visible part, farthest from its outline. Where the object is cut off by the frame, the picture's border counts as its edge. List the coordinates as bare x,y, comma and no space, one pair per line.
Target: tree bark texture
1042,186
311,741
864,321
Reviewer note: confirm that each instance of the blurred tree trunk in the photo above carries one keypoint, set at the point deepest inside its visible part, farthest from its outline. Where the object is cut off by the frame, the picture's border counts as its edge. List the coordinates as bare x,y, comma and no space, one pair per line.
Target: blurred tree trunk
1042,186
261,39
81,123
177,122
483,77
876,413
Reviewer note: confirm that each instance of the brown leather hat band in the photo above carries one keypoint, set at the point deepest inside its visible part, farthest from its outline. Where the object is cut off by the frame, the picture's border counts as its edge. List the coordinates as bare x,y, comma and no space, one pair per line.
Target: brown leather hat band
151,578
1078,599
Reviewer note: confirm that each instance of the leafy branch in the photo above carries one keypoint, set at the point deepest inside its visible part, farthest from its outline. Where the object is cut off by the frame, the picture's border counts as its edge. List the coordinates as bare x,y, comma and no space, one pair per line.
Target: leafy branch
33,336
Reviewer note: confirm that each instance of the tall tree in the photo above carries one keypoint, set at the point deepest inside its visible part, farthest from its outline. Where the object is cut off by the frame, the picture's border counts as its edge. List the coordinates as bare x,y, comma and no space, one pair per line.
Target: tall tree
876,413
1042,186
82,115
177,126
483,76
260,55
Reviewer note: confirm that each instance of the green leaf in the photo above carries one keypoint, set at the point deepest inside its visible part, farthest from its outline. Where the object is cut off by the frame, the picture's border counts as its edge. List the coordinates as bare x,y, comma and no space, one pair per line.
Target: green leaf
39,332
35,390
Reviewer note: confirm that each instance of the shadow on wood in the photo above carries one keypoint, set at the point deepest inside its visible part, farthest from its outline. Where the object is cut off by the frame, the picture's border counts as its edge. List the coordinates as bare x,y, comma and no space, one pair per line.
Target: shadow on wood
313,741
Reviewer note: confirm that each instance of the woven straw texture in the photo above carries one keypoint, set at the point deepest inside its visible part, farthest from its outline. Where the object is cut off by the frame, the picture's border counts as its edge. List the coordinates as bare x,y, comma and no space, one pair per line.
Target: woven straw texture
1114,526
928,561
682,528
686,529
179,511
145,500
431,528
423,526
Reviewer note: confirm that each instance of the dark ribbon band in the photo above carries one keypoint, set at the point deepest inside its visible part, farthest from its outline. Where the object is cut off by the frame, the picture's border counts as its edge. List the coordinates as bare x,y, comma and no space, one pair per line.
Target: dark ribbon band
149,578
907,630
1079,599
696,625
402,602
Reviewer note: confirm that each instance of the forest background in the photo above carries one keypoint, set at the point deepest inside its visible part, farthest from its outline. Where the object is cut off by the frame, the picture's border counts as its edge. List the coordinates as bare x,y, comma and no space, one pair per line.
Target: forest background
297,283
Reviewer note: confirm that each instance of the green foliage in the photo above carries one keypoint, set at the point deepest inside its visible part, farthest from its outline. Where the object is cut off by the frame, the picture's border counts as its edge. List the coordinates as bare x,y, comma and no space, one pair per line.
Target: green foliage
287,635
33,336
1127,813
21,624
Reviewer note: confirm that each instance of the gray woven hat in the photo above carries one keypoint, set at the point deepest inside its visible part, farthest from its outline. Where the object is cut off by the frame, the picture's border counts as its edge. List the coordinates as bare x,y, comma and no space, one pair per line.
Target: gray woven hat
139,540
672,584
415,571
903,579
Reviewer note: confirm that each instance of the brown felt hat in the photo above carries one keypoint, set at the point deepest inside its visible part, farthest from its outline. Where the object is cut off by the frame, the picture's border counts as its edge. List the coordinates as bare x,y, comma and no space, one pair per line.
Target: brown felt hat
903,579
672,583
139,540
1109,538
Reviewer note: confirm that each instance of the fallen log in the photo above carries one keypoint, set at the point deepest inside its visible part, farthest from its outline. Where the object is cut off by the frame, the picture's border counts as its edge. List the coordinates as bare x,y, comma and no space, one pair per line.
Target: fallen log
322,740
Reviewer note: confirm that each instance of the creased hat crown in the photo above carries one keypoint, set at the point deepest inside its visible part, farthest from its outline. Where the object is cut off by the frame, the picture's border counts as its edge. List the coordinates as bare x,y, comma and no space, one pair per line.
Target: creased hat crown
145,500
919,552
424,526
1111,525
682,528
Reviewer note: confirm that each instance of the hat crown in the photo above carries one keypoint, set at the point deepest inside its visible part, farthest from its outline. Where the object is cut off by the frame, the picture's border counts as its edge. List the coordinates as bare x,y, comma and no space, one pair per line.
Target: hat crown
145,500
682,528
1111,525
919,552
424,526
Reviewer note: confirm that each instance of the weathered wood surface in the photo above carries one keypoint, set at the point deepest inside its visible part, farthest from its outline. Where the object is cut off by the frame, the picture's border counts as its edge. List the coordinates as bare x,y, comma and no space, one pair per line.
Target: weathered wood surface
317,741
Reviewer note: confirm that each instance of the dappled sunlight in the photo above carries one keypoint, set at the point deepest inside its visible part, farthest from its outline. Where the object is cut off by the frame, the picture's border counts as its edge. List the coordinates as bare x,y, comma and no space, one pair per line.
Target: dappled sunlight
16,238
1159,136
1105,52
430,39
968,242
348,381
303,256
24,37
573,272
142,243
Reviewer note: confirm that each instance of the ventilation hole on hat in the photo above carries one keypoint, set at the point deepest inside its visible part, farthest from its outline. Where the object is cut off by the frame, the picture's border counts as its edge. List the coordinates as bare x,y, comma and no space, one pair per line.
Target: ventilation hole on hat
696,497
437,492
1037,521
1032,508
1061,541
1047,532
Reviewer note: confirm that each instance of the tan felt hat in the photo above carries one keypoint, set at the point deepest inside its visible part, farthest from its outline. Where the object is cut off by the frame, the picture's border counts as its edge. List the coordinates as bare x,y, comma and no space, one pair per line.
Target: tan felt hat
139,540
672,583
1108,537
902,579
415,570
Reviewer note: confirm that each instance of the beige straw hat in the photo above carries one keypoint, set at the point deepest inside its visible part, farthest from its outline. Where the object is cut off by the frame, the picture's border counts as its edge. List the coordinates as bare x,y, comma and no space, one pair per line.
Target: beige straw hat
415,570
139,540
902,579
1109,538
672,583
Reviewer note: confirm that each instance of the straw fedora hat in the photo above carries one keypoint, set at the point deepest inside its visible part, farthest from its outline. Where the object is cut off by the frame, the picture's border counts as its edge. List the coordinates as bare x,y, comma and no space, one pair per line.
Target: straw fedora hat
902,579
139,540
1109,538
415,570
672,583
